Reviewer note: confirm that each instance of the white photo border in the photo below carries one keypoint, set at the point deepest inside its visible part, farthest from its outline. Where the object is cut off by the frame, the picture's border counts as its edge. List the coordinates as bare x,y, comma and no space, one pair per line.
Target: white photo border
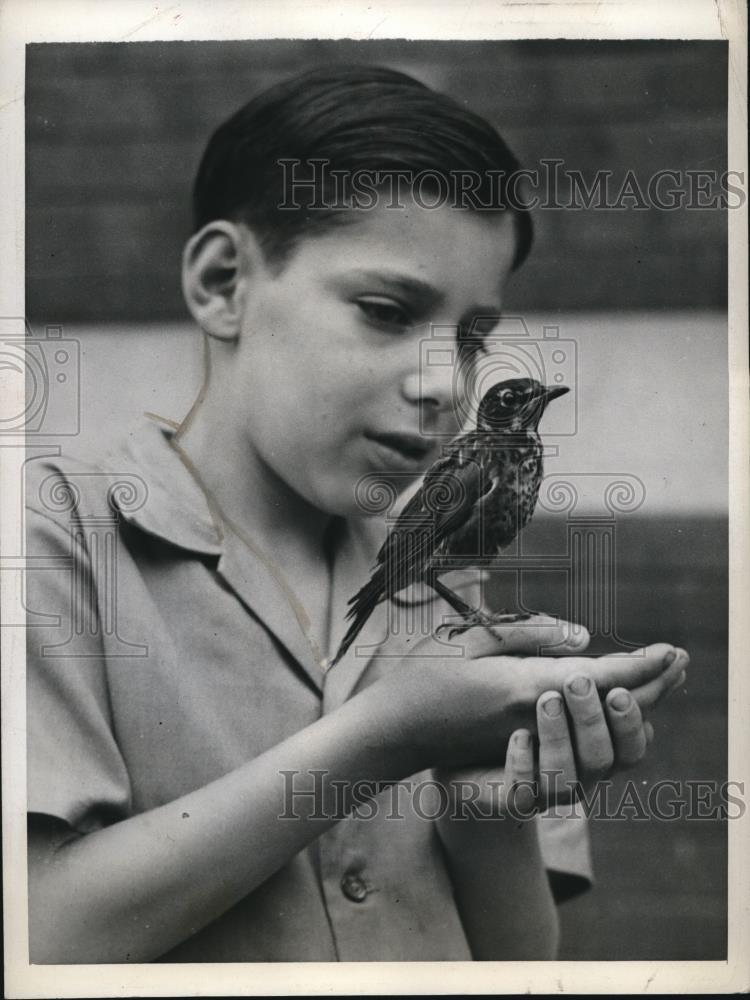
141,20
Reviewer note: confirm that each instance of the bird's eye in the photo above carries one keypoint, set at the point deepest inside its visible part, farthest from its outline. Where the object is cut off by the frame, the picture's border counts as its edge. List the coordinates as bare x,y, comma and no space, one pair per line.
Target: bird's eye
507,397
384,312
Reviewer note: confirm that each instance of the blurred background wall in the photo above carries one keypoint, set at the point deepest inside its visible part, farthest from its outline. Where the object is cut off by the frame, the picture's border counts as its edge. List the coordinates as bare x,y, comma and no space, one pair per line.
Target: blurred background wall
114,135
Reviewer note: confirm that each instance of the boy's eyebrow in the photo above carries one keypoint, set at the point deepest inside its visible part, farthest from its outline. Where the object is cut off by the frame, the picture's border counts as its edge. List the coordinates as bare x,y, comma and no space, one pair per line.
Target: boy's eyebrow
426,293
414,287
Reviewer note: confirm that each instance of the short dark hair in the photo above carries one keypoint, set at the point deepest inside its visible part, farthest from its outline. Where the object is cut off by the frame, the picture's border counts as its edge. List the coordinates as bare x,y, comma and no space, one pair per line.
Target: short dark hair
355,118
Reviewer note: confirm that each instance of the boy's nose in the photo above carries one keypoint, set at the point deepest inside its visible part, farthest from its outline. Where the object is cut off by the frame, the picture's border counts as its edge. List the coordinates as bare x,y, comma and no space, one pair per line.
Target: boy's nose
437,393
433,389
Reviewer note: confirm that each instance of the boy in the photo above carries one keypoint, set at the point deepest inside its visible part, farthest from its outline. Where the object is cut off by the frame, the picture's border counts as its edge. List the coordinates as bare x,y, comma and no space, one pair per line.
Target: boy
190,798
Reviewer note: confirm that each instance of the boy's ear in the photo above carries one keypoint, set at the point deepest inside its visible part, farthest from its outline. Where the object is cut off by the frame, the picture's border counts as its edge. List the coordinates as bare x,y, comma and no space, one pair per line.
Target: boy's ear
216,263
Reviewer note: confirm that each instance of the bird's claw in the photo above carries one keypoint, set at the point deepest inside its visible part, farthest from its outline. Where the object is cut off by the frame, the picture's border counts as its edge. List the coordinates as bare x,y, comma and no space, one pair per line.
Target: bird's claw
488,621
456,628
510,617
452,630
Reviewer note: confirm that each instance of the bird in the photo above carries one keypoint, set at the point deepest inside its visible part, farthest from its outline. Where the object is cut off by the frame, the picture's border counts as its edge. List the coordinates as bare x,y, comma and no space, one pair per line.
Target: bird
471,504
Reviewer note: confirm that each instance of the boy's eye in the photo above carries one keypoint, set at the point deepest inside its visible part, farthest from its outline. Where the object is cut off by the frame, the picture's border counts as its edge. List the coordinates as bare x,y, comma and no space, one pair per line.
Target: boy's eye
384,312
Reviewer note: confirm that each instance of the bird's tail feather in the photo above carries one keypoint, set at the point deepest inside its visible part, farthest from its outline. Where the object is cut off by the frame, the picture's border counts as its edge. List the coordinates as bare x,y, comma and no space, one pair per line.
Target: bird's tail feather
361,607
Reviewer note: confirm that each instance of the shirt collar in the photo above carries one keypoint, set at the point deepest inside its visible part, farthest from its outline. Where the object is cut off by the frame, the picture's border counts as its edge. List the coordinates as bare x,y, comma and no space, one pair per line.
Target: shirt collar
177,510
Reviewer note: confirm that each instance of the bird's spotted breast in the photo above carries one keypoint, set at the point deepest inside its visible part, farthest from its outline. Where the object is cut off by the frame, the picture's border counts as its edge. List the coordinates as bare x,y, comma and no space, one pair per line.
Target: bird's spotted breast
513,474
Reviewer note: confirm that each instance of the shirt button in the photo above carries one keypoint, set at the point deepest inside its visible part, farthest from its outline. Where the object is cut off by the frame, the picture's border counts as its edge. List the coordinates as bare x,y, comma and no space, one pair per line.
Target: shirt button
354,888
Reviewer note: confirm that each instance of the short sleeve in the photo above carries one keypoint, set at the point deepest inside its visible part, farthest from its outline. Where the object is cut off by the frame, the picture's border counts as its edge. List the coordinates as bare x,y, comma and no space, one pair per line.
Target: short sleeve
75,771
566,850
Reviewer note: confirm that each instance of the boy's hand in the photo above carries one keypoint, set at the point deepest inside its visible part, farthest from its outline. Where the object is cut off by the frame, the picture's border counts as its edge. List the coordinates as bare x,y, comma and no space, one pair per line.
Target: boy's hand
461,712
580,738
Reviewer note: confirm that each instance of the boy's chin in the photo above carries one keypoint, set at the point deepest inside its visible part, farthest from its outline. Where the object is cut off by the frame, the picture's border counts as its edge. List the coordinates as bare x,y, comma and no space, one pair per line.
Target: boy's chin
371,495
378,494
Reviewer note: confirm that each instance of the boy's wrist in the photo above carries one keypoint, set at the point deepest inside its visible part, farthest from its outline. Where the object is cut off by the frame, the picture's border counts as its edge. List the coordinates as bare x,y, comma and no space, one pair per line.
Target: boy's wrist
386,722
465,817
443,716
479,852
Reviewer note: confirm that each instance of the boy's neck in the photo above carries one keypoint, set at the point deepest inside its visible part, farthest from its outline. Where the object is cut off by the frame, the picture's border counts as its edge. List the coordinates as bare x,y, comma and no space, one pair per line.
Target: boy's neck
248,494
323,559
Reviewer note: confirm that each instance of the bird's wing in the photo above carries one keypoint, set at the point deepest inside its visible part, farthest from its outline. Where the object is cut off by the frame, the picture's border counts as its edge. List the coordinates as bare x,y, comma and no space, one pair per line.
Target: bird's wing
444,502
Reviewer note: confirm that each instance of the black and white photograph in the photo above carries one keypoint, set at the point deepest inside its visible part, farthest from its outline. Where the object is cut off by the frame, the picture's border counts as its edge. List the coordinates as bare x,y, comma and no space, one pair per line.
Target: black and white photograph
374,526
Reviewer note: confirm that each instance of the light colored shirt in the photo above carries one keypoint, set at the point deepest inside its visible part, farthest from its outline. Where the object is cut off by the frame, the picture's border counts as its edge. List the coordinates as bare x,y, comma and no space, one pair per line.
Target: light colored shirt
162,654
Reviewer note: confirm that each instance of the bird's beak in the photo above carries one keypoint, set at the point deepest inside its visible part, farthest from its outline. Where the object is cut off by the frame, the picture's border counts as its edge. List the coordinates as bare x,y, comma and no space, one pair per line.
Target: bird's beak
553,391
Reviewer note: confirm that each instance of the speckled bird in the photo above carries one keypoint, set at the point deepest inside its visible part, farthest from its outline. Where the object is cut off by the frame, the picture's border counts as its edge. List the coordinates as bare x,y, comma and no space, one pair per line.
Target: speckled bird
471,504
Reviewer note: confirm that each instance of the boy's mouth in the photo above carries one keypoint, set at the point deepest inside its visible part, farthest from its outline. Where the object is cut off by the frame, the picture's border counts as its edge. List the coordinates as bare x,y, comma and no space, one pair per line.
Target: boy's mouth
404,449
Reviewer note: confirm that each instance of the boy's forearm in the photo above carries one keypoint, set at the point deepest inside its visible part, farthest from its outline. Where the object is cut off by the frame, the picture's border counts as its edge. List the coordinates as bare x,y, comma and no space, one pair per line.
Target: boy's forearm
134,890
501,888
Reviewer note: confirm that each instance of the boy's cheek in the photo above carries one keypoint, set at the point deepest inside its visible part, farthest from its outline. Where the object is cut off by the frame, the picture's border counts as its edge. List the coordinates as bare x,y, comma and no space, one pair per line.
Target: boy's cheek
459,414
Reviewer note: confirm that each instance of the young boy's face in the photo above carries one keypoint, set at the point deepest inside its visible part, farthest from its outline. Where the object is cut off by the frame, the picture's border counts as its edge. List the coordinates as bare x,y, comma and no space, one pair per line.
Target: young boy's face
326,385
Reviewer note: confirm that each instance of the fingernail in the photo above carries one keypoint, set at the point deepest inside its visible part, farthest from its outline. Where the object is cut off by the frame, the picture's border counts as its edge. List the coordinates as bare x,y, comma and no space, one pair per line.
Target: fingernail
679,682
553,707
670,657
523,740
620,701
580,685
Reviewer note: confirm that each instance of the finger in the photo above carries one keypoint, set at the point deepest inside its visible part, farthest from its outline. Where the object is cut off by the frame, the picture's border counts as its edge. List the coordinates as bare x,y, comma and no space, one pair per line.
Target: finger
626,727
639,667
520,788
519,759
531,637
648,695
665,684
649,731
628,670
557,765
594,751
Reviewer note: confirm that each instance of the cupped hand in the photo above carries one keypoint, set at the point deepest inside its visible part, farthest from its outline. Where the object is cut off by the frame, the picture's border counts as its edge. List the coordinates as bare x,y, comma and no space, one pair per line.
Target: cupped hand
648,673
580,738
